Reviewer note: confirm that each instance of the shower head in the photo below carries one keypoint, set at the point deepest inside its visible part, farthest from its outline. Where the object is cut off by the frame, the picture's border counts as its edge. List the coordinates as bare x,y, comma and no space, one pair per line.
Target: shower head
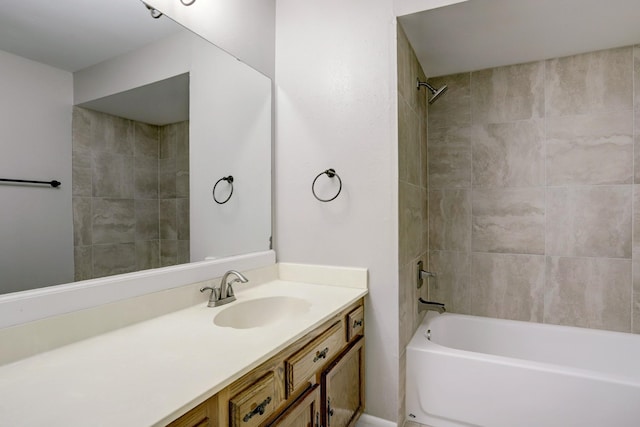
436,92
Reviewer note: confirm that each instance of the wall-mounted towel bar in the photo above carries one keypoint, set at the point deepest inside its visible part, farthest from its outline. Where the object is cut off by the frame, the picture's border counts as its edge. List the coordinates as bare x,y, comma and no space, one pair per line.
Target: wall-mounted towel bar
52,183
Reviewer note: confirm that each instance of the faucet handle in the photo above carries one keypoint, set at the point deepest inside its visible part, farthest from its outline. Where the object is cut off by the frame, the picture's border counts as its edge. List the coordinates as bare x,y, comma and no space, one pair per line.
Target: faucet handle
215,293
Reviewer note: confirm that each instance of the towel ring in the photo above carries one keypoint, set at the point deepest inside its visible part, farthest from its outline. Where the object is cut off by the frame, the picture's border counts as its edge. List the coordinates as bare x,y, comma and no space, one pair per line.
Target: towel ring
229,179
330,173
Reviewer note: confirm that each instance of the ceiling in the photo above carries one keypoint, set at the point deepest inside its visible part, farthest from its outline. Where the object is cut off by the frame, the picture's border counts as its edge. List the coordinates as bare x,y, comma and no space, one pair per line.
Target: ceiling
159,103
74,34
478,34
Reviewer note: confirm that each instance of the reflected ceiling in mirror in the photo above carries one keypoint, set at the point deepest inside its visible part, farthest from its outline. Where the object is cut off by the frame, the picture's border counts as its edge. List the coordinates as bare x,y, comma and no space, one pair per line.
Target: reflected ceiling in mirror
117,65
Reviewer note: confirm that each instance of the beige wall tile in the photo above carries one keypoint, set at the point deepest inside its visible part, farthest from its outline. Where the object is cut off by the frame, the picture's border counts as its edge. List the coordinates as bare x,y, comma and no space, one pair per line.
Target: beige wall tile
449,151
507,286
636,77
590,149
506,94
405,287
508,154
636,297
402,388
589,292
409,144
558,186
450,220
636,222
508,220
636,146
411,221
114,220
589,221
82,220
451,286
82,263
424,143
591,82
404,135
114,259
636,312
454,107
409,71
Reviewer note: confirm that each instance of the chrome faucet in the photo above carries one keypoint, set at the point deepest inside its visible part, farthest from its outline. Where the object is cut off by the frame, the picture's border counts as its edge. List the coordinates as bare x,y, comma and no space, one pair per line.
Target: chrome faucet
430,306
224,294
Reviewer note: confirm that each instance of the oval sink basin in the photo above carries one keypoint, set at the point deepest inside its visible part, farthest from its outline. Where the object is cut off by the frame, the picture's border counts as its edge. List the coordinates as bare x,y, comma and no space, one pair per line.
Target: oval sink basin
261,312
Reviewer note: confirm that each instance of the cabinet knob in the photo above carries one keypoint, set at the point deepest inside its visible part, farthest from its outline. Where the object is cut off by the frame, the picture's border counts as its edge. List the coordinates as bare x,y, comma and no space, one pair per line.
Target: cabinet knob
357,323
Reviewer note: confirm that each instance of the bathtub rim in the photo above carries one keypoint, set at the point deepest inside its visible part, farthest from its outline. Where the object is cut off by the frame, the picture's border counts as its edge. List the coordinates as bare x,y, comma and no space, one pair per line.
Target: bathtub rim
420,343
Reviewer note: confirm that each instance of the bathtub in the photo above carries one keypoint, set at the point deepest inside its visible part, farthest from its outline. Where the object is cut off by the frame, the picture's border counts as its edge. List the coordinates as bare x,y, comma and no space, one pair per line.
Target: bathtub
476,371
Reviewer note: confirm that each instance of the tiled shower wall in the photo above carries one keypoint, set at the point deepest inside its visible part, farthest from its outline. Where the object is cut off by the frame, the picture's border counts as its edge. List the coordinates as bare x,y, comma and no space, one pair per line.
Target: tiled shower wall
412,199
534,191
130,194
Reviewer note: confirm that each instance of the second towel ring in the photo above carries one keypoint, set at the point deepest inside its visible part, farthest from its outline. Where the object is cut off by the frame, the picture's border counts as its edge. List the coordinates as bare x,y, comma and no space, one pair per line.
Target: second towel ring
229,179
330,173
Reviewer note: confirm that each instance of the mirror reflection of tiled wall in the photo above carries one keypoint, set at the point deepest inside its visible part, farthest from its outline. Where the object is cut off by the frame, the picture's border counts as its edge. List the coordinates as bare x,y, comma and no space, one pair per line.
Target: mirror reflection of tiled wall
532,191
130,194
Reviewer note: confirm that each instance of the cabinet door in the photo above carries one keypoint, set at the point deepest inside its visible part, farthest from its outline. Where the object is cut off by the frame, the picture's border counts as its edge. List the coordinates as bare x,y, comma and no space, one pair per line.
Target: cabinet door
343,388
305,412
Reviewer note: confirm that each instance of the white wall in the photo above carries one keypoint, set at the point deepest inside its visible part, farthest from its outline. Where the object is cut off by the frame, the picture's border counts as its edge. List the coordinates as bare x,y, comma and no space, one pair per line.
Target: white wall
336,107
230,134
244,28
35,112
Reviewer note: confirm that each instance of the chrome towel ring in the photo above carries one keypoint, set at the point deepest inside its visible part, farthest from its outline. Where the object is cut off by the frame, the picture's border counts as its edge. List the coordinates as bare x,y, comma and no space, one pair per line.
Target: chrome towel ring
229,179
331,173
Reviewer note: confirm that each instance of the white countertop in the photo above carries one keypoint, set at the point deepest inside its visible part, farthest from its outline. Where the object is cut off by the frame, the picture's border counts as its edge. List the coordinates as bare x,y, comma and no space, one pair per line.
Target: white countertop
150,373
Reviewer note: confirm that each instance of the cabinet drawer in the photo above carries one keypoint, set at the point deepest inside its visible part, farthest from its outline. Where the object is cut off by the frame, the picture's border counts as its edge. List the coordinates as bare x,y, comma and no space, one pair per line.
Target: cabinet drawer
255,404
355,323
304,364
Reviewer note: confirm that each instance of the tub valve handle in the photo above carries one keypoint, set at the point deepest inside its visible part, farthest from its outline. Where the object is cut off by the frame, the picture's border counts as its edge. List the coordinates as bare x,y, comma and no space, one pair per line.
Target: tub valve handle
423,274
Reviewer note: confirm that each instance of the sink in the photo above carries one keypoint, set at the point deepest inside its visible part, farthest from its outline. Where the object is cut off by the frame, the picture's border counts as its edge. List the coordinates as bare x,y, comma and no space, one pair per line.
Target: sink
261,312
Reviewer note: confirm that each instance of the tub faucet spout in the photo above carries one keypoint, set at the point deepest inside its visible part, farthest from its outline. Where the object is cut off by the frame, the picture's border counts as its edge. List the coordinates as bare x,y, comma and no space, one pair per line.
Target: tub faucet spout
430,306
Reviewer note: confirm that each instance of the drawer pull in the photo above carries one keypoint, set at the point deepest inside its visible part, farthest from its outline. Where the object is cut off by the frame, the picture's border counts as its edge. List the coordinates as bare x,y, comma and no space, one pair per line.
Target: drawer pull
357,323
321,354
258,410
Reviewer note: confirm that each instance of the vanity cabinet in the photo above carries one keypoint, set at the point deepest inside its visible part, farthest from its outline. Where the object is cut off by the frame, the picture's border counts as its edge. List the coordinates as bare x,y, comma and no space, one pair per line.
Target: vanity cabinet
203,415
318,381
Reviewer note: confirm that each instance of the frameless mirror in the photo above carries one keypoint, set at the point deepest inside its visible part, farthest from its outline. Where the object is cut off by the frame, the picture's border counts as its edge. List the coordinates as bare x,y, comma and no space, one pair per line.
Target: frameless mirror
138,118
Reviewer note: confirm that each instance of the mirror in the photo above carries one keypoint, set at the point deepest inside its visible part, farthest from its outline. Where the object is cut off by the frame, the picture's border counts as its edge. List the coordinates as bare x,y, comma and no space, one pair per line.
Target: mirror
138,118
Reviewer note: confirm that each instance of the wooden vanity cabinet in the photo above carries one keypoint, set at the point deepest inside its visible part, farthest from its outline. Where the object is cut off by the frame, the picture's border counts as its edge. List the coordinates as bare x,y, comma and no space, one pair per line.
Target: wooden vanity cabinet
203,415
318,381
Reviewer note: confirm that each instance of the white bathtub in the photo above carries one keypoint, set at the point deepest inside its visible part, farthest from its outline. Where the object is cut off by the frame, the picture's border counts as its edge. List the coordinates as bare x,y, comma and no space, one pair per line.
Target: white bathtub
476,371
